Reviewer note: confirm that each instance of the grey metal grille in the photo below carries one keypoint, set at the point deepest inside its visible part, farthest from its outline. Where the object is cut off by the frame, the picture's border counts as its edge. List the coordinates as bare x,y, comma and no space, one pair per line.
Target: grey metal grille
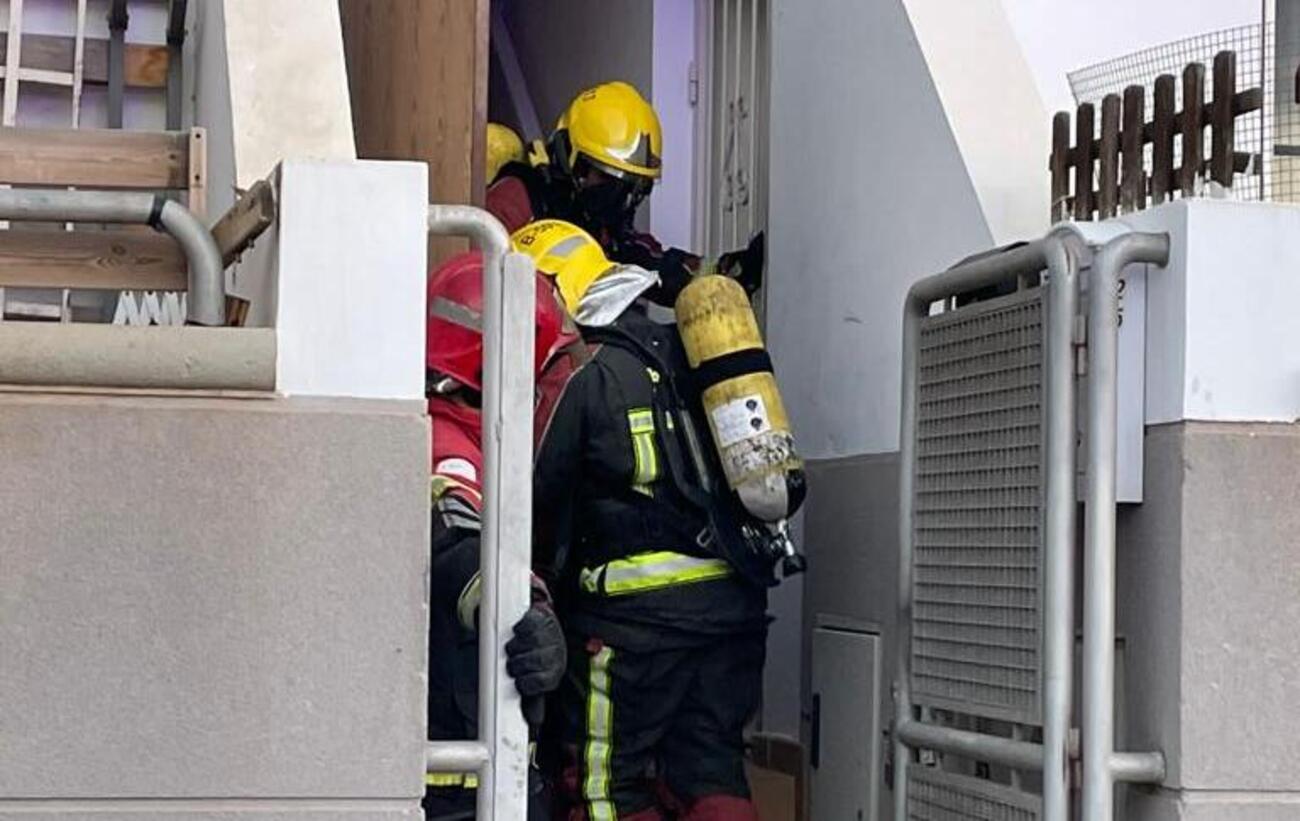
935,795
978,510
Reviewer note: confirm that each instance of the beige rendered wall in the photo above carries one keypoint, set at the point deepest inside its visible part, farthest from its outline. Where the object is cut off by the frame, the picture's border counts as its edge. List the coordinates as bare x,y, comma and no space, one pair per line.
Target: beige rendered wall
212,607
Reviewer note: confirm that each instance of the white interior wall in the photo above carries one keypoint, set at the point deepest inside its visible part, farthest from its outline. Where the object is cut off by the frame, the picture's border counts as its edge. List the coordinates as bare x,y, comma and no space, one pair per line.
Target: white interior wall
671,207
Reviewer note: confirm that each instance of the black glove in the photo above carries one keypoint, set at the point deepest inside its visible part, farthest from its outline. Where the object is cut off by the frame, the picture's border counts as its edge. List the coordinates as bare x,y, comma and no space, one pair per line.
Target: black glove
536,658
746,265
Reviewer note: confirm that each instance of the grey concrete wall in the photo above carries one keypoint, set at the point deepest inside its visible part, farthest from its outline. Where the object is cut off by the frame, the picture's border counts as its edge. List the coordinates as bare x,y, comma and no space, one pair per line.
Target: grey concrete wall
851,538
1208,605
212,607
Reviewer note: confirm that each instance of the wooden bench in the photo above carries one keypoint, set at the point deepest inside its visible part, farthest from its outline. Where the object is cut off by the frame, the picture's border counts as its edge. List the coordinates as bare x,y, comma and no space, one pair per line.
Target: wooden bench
111,257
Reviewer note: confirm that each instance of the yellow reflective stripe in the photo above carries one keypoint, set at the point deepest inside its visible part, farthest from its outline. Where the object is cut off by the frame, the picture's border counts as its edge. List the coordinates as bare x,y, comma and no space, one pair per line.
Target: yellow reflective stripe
468,781
600,739
651,571
641,422
440,484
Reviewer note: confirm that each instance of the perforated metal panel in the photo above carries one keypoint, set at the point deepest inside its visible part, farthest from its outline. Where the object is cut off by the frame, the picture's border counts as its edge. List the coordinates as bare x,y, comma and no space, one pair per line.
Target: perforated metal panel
978,510
934,795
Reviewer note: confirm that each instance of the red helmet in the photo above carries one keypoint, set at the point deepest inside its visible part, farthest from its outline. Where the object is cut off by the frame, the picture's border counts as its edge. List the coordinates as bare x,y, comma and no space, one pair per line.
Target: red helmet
453,342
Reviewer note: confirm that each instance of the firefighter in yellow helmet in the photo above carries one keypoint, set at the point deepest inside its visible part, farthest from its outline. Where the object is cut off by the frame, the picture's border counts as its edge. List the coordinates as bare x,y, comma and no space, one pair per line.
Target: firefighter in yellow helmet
599,165
503,146
660,577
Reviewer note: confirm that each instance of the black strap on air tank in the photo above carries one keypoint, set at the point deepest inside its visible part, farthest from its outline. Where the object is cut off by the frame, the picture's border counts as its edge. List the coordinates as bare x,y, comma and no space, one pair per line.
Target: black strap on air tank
736,363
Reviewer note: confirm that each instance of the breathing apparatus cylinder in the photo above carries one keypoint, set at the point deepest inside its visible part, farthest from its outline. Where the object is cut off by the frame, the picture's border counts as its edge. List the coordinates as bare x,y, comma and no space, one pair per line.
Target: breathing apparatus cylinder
746,415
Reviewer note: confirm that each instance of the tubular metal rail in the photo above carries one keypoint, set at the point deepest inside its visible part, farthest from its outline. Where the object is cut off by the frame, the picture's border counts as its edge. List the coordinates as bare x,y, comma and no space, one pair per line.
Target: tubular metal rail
1049,700
206,287
500,754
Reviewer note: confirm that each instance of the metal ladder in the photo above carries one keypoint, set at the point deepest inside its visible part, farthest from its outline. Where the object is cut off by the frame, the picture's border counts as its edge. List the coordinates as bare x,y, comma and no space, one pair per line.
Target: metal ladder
499,756
1111,246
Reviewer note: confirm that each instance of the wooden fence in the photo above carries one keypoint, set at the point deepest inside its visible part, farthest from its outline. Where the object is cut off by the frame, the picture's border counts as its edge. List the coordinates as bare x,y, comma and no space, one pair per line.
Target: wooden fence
1115,160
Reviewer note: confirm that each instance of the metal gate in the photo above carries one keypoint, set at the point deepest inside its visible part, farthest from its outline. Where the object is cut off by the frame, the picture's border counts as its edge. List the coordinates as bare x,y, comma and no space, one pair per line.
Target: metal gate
987,534
732,189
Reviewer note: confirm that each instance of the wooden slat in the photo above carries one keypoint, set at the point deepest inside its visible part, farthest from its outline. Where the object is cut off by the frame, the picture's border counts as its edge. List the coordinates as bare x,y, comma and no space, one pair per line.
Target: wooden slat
251,214
1162,141
1132,187
95,158
146,65
1108,172
198,173
1193,135
110,259
1060,165
1222,118
1083,151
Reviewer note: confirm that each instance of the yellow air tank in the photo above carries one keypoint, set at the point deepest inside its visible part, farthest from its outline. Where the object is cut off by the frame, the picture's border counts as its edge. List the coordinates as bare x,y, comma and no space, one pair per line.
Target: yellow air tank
746,416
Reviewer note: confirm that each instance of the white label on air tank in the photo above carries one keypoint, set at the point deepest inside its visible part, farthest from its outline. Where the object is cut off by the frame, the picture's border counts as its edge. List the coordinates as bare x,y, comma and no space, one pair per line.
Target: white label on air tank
740,419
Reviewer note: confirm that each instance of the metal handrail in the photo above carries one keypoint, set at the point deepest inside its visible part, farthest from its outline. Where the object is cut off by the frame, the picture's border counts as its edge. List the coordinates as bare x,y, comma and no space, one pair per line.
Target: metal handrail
206,286
500,754
1060,253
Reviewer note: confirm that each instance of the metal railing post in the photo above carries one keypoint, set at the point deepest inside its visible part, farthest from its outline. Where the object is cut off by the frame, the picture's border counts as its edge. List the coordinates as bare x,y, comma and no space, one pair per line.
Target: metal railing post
206,288
1101,764
500,756
1059,535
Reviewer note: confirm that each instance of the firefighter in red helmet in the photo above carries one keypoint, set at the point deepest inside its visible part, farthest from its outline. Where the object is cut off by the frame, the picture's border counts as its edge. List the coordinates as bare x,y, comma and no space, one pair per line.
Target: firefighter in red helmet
536,652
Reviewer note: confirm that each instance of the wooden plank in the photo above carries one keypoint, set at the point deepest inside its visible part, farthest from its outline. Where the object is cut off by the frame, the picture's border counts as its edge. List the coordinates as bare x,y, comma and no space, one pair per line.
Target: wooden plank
198,174
417,73
1193,133
1060,165
251,214
95,158
1108,176
145,66
1083,156
109,259
1132,187
1222,118
1162,141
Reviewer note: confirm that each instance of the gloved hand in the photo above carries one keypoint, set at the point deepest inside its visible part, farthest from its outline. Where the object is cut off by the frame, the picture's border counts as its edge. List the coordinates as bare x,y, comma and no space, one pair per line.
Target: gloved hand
746,265
536,658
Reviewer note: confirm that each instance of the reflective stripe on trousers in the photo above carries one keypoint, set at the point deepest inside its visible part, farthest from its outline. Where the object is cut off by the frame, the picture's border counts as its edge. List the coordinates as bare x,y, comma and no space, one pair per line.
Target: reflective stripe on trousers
651,571
600,740
467,780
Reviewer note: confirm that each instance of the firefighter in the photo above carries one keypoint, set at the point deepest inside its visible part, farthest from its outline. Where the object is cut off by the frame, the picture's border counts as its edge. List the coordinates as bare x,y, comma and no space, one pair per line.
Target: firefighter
666,624
503,146
596,169
536,652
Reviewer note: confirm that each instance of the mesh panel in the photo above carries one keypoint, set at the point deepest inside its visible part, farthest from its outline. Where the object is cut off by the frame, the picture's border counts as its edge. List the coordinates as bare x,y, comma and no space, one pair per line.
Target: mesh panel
978,518
934,795
1271,136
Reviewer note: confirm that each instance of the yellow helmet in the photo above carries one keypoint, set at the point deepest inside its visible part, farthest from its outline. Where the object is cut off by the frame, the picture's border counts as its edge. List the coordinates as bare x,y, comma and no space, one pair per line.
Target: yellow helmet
503,146
614,127
566,253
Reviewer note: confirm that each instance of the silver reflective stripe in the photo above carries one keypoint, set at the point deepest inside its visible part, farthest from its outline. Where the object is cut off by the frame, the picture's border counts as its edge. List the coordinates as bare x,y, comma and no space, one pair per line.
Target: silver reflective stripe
456,314
600,740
